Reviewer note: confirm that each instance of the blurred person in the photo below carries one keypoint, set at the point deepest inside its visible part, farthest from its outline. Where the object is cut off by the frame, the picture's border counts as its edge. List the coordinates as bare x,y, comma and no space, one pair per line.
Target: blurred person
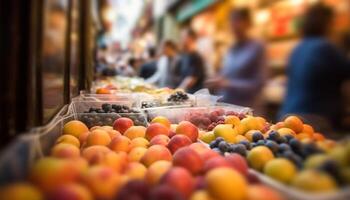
125,68
150,67
166,66
316,71
242,76
190,71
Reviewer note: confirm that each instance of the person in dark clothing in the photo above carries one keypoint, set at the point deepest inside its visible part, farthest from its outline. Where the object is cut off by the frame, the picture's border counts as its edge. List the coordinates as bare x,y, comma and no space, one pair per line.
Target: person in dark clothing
150,67
316,71
190,70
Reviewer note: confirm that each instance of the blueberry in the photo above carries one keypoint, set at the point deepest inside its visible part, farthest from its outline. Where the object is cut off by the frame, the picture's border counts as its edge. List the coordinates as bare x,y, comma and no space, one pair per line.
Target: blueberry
289,137
297,160
92,110
282,139
240,149
223,146
283,147
100,111
106,107
295,145
273,135
260,143
257,136
254,144
246,144
220,139
310,149
273,146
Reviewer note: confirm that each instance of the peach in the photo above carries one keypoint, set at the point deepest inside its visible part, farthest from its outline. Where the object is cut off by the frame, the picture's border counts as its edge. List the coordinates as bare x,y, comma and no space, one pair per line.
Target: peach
156,170
135,132
294,123
113,133
136,153
156,129
277,126
189,159
71,191
262,192
308,129
20,191
63,150
135,170
155,153
188,129
177,142
162,120
139,142
163,192
68,139
173,127
199,147
94,153
98,137
48,173
318,137
83,137
160,140
215,162
102,181
180,180
102,155
238,162
75,128
226,183
122,124
120,143
208,154
233,120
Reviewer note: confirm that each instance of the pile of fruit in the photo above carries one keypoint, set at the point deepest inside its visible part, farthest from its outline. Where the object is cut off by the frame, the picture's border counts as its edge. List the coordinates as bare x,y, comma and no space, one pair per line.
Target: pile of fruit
163,161
290,151
108,113
209,120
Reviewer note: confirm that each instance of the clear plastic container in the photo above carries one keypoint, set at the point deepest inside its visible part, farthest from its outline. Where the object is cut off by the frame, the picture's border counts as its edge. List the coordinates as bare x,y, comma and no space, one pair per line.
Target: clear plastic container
202,117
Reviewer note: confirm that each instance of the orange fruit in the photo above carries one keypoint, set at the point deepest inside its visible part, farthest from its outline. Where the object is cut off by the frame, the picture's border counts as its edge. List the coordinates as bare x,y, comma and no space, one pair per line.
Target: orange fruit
294,123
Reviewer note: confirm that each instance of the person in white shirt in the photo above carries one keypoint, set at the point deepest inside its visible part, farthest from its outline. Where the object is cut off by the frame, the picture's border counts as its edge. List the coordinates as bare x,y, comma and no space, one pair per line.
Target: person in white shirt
166,65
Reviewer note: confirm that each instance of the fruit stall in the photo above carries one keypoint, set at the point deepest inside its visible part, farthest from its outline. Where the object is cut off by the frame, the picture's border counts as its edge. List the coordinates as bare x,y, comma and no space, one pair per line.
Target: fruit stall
148,143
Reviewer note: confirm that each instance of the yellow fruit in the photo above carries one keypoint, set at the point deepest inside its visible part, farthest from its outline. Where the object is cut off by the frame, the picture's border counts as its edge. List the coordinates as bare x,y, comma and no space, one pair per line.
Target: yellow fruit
240,138
259,156
252,123
286,131
240,129
136,153
273,169
225,131
303,136
139,142
314,181
226,183
233,120
340,155
207,137
162,120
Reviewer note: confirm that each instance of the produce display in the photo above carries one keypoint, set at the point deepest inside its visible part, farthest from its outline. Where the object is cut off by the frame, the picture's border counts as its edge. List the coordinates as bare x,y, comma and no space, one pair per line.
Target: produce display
161,161
290,152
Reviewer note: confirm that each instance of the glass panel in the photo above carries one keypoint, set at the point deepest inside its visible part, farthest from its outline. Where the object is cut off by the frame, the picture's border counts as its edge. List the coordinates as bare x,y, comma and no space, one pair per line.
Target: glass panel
53,56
